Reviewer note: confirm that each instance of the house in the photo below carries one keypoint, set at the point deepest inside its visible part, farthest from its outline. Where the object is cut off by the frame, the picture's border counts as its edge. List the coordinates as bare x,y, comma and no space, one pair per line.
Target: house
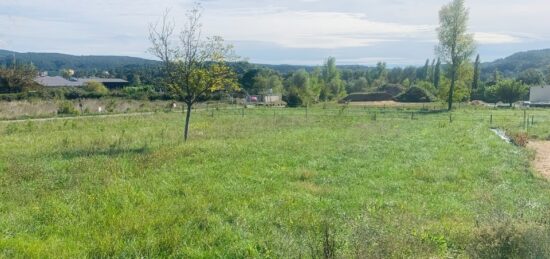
539,96
58,81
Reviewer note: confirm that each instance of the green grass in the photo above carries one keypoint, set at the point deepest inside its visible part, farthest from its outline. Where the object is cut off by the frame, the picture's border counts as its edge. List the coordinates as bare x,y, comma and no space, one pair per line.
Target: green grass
270,184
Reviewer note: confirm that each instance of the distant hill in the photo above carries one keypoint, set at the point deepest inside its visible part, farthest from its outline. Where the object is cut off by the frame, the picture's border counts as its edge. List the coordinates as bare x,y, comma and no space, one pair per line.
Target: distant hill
511,66
519,62
56,62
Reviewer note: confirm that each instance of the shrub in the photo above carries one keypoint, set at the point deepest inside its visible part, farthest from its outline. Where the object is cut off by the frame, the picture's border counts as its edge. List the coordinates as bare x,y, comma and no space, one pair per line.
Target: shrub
293,100
96,87
368,97
519,138
416,94
67,108
392,89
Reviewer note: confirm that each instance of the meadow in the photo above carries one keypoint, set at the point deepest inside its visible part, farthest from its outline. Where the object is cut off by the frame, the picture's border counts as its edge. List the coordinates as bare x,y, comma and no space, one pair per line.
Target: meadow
274,183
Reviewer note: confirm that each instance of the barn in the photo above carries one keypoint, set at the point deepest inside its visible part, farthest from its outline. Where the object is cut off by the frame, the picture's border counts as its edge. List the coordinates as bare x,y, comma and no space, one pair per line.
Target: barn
539,96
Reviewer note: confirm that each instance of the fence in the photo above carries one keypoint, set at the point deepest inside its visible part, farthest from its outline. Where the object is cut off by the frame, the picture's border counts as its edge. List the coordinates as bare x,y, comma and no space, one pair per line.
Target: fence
510,118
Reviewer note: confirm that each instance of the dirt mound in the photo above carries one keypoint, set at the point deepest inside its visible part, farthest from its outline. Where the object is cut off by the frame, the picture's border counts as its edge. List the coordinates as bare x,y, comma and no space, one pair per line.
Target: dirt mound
542,159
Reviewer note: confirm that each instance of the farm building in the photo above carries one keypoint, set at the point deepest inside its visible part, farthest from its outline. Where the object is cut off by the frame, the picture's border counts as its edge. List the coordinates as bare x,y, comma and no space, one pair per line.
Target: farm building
58,81
267,100
539,96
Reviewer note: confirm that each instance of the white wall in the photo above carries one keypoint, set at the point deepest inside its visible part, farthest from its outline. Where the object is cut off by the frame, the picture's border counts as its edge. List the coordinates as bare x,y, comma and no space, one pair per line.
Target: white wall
540,94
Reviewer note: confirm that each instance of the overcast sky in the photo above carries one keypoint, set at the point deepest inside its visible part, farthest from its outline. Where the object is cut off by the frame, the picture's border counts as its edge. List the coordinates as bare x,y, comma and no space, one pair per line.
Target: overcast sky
400,32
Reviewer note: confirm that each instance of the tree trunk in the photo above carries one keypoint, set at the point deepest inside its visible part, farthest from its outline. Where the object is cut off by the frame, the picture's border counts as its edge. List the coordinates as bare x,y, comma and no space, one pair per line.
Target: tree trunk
452,90
187,119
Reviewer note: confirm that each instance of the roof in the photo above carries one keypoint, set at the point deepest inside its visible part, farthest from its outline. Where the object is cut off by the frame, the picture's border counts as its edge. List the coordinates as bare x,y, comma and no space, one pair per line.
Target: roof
540,94
58,81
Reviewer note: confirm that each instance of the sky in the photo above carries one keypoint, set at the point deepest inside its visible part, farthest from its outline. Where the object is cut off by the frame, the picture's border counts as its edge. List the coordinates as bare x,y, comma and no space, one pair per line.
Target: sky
301,32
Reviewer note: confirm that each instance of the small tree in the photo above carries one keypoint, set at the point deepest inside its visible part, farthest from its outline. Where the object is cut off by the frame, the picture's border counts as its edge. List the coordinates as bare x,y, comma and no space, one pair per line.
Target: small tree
17,78
96,87
456,45
334,87
475,82
510,91
437,74
193,67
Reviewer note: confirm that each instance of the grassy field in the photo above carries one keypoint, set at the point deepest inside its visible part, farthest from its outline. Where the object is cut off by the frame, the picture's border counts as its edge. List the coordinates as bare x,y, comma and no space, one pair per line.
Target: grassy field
273,183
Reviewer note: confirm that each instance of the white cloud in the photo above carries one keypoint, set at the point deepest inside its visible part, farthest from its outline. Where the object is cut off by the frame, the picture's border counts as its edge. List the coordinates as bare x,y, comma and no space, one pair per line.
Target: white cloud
285,30
495,38
305,29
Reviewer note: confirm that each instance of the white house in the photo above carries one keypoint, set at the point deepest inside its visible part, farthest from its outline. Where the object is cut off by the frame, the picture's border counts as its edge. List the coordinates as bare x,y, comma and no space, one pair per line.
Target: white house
539,96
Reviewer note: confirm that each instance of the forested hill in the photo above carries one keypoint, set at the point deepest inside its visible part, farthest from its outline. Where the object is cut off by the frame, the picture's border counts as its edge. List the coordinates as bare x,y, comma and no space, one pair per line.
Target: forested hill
520,62
511,66
56,62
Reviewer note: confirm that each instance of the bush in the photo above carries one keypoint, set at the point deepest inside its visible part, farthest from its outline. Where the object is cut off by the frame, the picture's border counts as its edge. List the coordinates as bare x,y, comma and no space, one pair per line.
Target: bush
67,108
96,87
392,89
293,100
76,93
368,97
416,94
519,139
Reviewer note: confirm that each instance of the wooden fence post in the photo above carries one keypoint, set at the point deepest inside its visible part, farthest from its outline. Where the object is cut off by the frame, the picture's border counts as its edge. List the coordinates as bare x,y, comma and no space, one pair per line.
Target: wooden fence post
525,119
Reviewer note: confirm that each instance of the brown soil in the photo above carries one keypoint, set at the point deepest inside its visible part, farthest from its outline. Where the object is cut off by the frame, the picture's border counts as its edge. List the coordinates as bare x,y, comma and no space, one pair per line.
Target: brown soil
542,159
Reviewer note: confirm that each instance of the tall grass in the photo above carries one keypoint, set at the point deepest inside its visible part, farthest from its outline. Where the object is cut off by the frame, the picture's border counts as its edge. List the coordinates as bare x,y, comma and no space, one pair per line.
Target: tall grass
267,185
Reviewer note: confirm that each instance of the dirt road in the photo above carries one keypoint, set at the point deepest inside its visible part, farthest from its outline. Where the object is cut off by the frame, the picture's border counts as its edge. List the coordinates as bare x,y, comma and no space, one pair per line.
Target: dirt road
542,160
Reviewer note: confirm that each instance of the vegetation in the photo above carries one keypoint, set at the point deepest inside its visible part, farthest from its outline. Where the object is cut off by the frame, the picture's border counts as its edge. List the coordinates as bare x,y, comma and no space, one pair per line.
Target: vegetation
456,46
194,67
67,108
416,94
516,64
96,87
86,64
17,78
510,91
115,187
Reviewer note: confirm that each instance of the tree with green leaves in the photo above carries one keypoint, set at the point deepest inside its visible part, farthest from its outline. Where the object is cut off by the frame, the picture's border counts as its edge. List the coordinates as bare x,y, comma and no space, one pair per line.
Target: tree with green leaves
456,45
334,86
475,81
193,67
17,77
267,82
423,75
437,74
431,70
510,91
298,87
532,77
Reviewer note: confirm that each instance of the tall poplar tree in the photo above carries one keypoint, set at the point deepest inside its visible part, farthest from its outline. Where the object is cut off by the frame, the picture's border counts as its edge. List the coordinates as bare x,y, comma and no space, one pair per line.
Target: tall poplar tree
456,45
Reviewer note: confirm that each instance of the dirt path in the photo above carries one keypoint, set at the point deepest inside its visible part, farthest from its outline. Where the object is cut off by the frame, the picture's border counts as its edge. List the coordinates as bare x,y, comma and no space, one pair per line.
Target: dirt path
542,159
80,117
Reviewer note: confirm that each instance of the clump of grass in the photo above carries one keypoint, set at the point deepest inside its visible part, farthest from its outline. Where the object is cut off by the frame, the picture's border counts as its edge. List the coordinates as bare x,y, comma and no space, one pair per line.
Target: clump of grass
503,237
67,108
